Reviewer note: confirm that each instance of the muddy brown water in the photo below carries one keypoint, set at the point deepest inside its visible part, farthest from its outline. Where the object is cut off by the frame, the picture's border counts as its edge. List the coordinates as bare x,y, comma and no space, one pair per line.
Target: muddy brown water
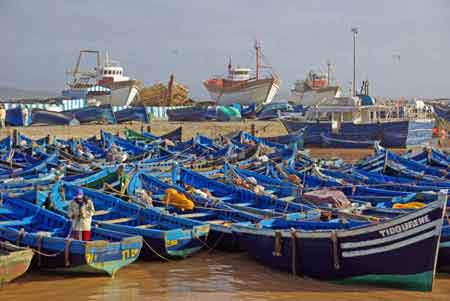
205,276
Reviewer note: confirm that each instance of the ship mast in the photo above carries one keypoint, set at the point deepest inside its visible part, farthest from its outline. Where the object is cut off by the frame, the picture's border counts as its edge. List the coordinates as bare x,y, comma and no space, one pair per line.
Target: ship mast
258,58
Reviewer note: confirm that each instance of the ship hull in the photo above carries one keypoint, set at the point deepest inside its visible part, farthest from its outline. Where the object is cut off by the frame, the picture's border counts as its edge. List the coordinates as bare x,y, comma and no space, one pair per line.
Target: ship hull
258,91
121,95
405,133
313,97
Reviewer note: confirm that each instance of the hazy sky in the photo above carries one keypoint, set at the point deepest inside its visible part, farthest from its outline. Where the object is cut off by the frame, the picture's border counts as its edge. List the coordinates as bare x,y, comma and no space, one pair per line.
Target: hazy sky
41,39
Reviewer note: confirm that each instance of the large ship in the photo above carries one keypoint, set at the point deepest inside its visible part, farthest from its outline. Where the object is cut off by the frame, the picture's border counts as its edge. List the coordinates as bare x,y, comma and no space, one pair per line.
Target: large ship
122,90
361,119
243,87
314,89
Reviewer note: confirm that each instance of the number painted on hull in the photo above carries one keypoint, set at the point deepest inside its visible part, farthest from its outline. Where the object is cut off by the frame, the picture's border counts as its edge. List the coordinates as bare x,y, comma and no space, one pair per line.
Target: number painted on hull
171,243
129,253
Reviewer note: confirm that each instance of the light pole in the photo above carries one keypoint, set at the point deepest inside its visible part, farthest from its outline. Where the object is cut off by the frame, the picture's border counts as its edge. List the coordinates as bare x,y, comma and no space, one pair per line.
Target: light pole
355,32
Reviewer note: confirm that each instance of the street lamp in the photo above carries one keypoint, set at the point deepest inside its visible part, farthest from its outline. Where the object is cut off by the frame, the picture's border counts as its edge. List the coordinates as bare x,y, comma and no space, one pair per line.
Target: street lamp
355,32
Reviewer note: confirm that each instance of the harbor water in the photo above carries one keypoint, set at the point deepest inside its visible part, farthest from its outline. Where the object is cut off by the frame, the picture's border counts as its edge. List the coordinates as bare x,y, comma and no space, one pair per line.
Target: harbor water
206,276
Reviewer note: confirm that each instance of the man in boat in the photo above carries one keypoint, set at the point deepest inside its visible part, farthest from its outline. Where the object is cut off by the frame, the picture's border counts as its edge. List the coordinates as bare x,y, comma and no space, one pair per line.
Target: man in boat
48,203
81,210
81,152
2,116
115,155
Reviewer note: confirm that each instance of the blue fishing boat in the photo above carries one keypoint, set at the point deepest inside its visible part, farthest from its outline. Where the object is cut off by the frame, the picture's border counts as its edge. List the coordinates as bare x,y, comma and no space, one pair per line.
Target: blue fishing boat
194,113
275,141
18,116
360,119
102,114
40,116
164,235
238,197
132,114
26,224
356,253
219,217
340,141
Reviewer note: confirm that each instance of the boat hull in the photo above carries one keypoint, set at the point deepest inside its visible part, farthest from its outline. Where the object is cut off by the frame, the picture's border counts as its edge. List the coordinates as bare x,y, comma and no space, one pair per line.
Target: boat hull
93,257
14,265
52,118
122,94
132,114
102,114
313,97
378,254
259,92
407,133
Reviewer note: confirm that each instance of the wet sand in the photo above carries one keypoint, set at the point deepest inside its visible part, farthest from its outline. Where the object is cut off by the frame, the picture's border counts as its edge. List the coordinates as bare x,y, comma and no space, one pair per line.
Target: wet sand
206,276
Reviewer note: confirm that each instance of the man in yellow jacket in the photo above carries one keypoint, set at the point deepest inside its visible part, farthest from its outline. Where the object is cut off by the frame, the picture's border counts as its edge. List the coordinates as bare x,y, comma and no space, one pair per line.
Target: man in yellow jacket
81,210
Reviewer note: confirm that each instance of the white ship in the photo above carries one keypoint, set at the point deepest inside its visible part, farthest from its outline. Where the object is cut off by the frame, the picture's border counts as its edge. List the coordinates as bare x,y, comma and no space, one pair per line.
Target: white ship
242,87
108,74
314,89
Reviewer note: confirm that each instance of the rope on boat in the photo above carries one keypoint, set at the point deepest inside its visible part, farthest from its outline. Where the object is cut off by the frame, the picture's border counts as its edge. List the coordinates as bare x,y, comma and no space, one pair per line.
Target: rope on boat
154,251
294,251
20,236
217,242
39,246
278,244
334,240
67,252
204,242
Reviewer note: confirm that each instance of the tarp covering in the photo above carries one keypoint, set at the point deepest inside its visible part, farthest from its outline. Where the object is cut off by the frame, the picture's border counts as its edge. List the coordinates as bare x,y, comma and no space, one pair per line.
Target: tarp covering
325,197
228,113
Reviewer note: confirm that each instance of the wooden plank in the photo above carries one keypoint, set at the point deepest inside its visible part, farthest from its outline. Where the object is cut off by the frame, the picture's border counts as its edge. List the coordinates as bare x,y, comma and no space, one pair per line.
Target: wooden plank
17,222
119,220
145,226
217,221
242,204
194,215
288,198
101,212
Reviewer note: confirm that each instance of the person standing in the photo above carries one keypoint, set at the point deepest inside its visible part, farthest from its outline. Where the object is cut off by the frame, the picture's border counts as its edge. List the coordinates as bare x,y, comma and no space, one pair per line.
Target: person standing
81,210
2,116
25,115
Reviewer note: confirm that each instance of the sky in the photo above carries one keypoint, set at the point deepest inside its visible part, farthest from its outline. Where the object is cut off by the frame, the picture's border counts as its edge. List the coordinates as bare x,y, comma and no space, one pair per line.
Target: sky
40,40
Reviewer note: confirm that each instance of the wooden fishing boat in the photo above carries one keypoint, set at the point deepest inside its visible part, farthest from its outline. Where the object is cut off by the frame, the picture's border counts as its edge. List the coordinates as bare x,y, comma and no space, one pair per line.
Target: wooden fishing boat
377,254
164,235
340,141
240,198
14,261
109,175
28,225
194,113
174,136
103,114
16,116
132,114
219,217
39,165
40,116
